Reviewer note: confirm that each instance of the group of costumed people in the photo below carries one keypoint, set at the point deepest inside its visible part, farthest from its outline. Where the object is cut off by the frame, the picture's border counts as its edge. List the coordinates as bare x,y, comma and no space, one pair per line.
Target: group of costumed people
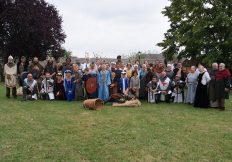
118,82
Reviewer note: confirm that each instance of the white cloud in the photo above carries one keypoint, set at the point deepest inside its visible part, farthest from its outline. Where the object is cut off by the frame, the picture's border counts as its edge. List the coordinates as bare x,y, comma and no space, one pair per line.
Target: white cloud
111,27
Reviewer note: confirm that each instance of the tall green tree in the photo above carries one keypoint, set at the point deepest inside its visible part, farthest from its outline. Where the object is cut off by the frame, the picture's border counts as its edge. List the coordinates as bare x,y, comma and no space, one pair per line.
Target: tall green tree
199,29
30,28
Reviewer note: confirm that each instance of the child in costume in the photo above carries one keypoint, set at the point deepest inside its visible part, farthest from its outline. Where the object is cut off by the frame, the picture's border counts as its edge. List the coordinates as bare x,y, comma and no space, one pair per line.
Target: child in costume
152,90
178,90
59,88
69,85
47,88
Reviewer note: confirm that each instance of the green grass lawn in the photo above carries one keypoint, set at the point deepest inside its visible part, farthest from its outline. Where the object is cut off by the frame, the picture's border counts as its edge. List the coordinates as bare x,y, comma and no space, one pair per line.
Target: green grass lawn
63,131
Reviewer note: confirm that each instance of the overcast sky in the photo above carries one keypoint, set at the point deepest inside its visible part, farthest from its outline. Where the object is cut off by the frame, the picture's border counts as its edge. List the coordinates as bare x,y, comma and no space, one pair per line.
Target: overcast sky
112,27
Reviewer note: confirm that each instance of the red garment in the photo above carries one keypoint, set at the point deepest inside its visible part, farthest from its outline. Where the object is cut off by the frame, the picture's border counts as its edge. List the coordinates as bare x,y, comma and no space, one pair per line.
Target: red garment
220,75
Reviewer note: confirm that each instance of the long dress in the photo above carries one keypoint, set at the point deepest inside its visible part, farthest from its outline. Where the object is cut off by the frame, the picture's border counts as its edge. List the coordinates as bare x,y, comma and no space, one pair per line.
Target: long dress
192,86
222,82
69,89
93,75
59,91
178,91
118,76
21,68
152,95
114,86
212,89
142,90
135,83
201,97
79,93
104,82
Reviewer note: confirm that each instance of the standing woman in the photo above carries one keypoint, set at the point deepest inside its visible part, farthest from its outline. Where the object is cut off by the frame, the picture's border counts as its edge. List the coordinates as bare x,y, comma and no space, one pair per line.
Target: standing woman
79,93
104,83
222,86
191,82
135,84
142,77
22,68
201,98
129,71
114,84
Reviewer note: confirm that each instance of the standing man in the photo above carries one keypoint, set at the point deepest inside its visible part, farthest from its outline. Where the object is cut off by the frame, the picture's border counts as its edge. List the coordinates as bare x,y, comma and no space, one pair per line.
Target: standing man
222,86
36,69
119,60
51,68
10,72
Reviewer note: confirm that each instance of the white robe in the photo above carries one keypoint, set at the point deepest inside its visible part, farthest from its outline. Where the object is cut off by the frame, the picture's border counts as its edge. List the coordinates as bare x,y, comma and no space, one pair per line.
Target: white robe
12,72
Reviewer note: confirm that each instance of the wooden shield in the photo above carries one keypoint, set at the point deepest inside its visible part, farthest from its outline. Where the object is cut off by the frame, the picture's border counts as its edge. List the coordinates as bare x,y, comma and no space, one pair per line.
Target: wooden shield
91,85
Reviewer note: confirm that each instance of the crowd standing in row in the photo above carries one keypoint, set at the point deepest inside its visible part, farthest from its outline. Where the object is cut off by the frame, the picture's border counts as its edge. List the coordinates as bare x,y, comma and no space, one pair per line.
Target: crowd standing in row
152,82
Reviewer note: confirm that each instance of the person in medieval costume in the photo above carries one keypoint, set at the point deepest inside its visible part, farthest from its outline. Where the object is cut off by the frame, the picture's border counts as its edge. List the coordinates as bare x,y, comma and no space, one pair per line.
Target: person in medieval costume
164,88
22,68
179,71
169,71
47,87
114,84
222,86
191,82
84,80
201,97
36,69
79,93
91,82
78,64
159,68
10,73
142,78
112,66
69,85
212,86
30,88
59,89
104,83
118,72
119,60
86,64
67,65
178,90
123,84
135,84
152,87
129,71
51,68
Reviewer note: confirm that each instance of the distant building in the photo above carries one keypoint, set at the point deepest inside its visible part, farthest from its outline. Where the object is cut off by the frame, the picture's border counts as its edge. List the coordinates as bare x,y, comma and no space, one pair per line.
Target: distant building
151,58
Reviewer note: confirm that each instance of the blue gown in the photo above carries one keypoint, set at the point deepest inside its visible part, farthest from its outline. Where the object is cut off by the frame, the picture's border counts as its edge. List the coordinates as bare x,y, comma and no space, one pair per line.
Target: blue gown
69,89
104,82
